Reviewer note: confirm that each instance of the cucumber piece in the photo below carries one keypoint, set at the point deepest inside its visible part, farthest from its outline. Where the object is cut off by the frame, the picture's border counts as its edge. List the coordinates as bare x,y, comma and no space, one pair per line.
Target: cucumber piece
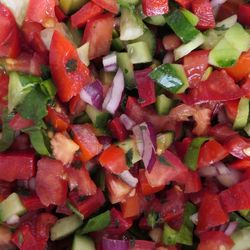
117,44
70,6
211,38
163,104
181,26
171,77
127,3
158,20
226,23
131,26
74,34
139,53
126,66
191,17
207,73
130,145
164,141
12,205
65,227
242,114
83,243
241,239
149,38
187,48
247,129
98,118
83,53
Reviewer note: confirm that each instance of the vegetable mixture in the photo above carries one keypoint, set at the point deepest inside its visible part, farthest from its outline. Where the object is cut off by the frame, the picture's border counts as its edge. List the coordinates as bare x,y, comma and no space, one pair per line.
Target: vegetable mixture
124,124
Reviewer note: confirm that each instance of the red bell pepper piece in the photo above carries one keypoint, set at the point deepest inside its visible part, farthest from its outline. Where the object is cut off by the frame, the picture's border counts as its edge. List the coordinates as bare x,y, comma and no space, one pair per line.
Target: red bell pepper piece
51,186
5,189
193,183
146,189
32,202
113,159
98,32
243,14
80,179
18,122
109,5
17,165
9,34
59,120
87,12
145,86
4,82
215,240
203,9
85,137
211,213
131,206
89,205
117,129
211,152
195,65
236,197
60,15
155,7
67,70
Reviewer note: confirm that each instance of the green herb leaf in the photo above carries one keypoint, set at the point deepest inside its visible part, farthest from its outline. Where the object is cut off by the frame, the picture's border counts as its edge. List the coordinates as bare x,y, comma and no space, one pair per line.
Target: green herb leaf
48,88
153,218
241,221
129,157
45,72
74,210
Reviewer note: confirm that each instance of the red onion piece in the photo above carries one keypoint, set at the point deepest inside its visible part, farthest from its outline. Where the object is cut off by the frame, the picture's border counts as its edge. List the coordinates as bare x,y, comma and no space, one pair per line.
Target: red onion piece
110,62
168,58
208,171
114,95
127,177
127,122
93,94
232,226
110,244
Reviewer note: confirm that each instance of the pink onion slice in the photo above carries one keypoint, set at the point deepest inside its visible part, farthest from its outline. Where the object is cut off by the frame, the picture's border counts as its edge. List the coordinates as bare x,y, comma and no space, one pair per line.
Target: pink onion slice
110,244
110,62
127,121
127,177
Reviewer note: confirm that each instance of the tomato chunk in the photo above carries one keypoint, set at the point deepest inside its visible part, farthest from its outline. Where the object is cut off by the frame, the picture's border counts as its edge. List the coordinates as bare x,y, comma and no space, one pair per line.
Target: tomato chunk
109,5
4,82
243,14
154,7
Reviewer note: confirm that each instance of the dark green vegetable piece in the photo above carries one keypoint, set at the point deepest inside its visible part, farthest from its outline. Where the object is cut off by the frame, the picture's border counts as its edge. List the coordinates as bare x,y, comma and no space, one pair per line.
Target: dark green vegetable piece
48,88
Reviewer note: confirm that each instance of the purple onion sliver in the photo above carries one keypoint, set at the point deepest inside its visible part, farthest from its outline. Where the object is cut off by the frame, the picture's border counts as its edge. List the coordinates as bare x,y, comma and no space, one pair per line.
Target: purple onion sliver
110,68
138,137
110,244
152,161
152,134
127,177
110,62
105,140
208,171
127,122
232,226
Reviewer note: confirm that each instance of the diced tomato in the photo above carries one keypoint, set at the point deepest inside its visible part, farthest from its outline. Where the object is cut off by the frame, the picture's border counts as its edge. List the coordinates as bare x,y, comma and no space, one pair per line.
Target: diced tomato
91,204
215,240
5,237
240,164
87,12
171,42
182,147
231,108
5,189
59,120
243,14
163,173
18,122
131,206
211,213
118,224
4,82
145,86
195,65
221,132
117,129
85,137
155,7
236,197
98,32
67,70
246,87
51,187
218,87
21,142
193,182
61,17
184,3
144,245
238,146
17,165
118,189
229,8
42,11
113,159
32,202
76,105
80,179
211,152
203,9
146,189
109,5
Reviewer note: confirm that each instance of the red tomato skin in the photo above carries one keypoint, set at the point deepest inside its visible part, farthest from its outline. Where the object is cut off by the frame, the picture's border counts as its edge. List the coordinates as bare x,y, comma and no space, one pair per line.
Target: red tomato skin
41,11
98,32
51,188
87,12
211,213
231,108
9,34
203,9
109,5
215,240
18,122
236,197
131,206
117,129
155,7
221,132
69,81
4,82
20,165
32,202
61,17
171,42
243,164
182,147
76,105
211,152
81,178
243,14
193,183
143,245
145,86
195,65
184,3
